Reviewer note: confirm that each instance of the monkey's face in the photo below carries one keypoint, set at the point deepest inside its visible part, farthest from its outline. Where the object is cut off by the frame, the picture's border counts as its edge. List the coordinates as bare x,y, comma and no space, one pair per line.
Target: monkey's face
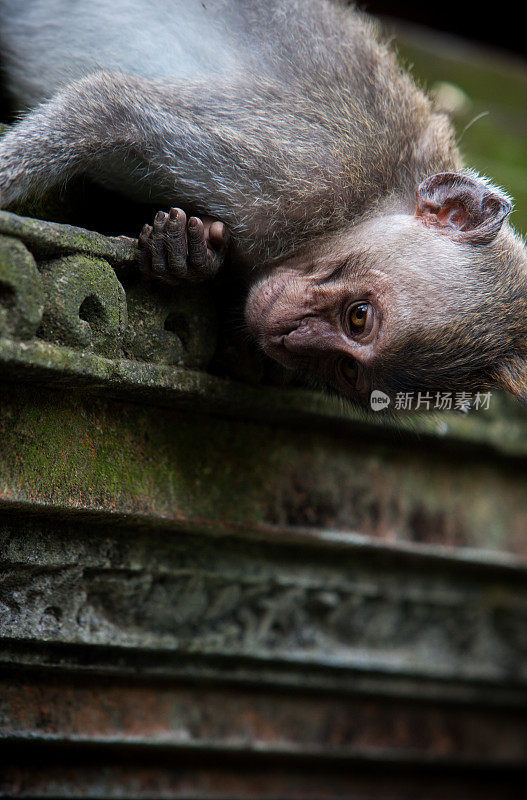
420,301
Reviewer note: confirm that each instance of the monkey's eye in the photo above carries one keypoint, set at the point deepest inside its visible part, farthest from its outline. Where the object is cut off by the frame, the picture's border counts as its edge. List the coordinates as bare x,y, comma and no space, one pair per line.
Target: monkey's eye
350,371
358,317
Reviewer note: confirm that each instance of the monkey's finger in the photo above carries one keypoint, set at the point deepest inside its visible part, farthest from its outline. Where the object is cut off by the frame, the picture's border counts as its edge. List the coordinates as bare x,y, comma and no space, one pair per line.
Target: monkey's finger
176,243
145,238
217,236
144,243
198,255
159,261
217,241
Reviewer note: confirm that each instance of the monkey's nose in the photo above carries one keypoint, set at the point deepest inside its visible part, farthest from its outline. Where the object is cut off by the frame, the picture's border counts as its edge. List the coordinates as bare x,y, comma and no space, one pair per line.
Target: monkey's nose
312,336
299,339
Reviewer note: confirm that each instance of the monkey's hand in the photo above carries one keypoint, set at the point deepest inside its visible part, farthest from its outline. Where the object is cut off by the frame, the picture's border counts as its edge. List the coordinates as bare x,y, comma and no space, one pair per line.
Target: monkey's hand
175,249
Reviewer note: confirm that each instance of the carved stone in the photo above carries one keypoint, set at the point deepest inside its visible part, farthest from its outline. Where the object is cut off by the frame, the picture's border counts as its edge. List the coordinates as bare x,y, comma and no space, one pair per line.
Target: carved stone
21,295
170,325
85,304
211,589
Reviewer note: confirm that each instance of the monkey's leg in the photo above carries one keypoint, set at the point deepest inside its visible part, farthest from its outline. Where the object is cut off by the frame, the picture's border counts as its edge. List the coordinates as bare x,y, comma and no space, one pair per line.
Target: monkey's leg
174,248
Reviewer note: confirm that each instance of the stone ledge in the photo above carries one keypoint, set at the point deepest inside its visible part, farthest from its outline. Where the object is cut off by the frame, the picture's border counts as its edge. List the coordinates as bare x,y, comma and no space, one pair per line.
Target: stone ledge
61,449
189,718
164,385
48,342
58,284
351,618
47,239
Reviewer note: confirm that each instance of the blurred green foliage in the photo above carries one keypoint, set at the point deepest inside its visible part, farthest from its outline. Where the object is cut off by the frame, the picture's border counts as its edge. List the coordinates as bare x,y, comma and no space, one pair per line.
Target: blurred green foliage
493,97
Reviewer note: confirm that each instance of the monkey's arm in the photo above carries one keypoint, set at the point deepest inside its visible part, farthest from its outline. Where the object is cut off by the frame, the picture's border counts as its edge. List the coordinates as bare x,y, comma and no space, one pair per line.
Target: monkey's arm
124,131
247,154
81,131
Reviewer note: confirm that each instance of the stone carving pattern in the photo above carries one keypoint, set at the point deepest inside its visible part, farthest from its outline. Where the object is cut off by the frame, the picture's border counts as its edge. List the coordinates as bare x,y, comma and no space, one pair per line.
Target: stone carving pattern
78,301
440,628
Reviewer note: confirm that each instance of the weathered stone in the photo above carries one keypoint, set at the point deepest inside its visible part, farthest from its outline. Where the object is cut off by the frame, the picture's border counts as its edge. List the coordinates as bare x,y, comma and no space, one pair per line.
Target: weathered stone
264,598
49,239
195,716
180,466
219,776
85,304
21,295
170,325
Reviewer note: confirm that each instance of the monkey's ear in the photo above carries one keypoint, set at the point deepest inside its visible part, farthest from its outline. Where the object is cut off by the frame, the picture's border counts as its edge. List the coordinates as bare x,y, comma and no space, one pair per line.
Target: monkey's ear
465,206
512,376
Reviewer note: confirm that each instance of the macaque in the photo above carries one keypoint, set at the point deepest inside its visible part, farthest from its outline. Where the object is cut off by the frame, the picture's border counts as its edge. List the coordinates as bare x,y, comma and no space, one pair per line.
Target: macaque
284,135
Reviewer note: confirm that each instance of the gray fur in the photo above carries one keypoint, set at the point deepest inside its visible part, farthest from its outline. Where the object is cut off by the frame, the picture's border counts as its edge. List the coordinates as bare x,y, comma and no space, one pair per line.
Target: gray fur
306,123
47,44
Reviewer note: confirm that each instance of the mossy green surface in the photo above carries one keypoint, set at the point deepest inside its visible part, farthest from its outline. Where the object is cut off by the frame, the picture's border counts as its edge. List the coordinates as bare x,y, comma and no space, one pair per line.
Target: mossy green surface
85,304
21,294
68,451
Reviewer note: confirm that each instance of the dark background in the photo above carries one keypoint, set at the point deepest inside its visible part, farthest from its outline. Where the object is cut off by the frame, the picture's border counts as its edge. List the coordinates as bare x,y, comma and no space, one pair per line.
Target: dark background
495,24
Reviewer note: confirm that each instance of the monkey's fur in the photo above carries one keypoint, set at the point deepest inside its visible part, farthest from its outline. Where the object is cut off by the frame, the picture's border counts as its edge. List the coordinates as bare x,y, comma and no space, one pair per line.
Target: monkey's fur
290,122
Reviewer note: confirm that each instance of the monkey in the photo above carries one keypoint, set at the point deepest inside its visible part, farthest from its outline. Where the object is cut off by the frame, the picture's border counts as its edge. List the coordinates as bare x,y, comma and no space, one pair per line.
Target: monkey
285,137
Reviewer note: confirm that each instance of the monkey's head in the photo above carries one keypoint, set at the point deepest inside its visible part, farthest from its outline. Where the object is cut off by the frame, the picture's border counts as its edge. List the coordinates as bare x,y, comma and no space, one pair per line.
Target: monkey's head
427,295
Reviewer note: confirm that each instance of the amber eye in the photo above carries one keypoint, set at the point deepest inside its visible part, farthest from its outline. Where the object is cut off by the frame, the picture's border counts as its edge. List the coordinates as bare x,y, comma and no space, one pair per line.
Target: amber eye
350,370
358,316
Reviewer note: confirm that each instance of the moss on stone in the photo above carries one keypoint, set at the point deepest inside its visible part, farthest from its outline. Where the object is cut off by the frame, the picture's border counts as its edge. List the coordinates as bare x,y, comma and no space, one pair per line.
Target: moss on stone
21,295
85,304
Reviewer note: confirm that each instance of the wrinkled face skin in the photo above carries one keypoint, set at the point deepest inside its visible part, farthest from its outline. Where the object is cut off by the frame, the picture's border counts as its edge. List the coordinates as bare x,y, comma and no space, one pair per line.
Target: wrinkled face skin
427,279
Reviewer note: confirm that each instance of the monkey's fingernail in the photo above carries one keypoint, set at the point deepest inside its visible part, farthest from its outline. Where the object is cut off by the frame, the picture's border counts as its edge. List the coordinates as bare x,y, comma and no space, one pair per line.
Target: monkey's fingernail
160,216
217,233
193,222
174,213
